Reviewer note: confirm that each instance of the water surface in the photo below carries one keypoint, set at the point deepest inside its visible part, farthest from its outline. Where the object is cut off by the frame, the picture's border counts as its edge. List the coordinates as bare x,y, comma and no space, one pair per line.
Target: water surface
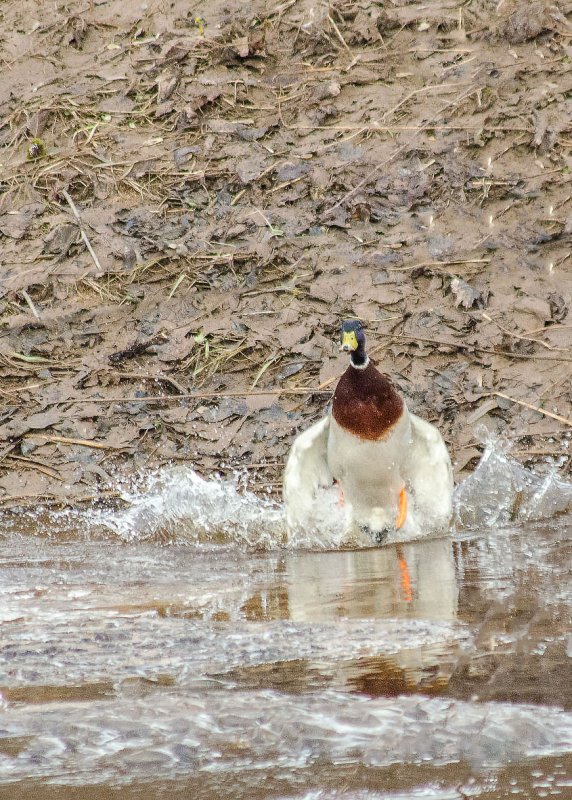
156,654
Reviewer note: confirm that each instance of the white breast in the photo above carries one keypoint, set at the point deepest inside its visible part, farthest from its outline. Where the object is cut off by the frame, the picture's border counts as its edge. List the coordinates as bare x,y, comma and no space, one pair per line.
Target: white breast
370,472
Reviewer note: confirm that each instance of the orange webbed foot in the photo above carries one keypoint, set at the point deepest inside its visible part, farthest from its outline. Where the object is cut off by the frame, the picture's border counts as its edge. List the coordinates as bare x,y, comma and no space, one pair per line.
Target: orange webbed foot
402,511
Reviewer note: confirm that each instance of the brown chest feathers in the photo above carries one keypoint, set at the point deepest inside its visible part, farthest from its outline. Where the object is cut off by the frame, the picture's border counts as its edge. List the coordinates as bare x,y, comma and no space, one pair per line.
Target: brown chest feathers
365,403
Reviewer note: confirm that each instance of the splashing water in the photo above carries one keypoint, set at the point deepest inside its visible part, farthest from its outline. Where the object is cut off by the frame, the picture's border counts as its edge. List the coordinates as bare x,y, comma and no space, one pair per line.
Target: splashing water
179,505
206,733
501,491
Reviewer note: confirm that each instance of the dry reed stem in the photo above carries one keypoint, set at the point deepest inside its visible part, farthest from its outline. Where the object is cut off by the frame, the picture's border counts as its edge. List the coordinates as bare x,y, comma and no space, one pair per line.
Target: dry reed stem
474,348
82,442
30,304
87,243
521,336
14,501
203,396
37,466
339,35
539,410
454,262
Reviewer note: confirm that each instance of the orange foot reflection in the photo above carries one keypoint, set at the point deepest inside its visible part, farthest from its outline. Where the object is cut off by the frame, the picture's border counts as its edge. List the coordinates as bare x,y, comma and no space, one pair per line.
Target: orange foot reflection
406,590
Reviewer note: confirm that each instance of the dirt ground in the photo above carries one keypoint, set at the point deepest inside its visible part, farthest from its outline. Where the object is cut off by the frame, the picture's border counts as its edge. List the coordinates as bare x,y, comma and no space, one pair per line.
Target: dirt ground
193,195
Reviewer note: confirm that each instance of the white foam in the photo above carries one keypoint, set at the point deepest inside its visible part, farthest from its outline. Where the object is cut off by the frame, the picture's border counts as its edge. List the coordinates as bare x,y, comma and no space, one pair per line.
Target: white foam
177,504
501,491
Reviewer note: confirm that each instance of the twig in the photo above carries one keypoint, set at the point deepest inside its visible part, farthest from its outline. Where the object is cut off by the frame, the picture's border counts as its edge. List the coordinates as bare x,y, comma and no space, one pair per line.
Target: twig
550,388
50,498
279,10
373,127
6,451
285,184
82,442
520,336
200,396
543,411
548,329
539,452
87,243
474,348
31,305
51,473
155,378
440,264
434,87
339,35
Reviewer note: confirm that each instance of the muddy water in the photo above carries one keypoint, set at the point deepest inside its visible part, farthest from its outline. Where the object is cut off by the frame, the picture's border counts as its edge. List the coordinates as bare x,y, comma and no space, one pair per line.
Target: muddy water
145,659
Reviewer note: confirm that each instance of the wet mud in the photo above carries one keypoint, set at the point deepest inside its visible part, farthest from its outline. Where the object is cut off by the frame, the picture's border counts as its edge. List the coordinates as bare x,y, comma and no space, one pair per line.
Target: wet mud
192,199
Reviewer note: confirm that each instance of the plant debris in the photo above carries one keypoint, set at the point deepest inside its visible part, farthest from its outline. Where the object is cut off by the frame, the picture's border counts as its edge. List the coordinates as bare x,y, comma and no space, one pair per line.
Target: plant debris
189,205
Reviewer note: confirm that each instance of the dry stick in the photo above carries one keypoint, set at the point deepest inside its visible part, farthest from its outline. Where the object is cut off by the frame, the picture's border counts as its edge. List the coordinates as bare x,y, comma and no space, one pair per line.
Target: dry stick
58,501
279,10
6,451
201,395
156,378
538,452
550,414
474,348
83,442
547,329
339,35
440,87
417,128
398,150
31,305
87,243
456,262
51,473
520,336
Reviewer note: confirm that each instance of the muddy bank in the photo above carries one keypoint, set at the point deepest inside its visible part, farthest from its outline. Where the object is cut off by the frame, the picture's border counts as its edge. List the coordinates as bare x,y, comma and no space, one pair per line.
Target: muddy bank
192,197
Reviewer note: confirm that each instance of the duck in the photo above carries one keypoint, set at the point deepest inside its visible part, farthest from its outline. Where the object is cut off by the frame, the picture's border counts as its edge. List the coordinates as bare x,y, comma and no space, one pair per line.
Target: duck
392,467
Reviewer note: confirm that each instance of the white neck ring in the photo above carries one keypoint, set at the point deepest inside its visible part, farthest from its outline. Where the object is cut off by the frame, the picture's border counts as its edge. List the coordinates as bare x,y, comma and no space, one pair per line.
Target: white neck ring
361,366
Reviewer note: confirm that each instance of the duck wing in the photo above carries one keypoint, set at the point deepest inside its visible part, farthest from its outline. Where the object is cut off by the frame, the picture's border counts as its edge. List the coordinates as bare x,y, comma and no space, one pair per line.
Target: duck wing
429,473
306,471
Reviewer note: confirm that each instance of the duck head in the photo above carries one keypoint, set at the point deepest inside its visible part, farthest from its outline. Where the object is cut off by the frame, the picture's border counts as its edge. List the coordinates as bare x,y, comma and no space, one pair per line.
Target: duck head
352,340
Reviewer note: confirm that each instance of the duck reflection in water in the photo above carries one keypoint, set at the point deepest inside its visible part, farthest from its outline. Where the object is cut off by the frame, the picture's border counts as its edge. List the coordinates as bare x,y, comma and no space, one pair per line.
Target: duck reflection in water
405,582
415,580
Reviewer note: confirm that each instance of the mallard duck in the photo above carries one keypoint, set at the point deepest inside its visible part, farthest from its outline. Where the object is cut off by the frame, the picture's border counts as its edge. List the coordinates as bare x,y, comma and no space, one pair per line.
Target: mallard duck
392,467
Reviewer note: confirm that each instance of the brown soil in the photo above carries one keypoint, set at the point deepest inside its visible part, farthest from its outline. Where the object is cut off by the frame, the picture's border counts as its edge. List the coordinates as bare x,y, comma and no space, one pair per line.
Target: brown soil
194,194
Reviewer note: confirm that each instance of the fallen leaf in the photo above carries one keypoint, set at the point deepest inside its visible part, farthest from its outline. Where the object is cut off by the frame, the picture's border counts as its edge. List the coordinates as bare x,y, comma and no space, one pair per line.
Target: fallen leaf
558,307
35,422
466,295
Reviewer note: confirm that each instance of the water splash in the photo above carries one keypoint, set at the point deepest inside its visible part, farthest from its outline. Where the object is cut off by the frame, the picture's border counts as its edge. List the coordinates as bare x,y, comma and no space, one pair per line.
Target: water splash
178,505
501,491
